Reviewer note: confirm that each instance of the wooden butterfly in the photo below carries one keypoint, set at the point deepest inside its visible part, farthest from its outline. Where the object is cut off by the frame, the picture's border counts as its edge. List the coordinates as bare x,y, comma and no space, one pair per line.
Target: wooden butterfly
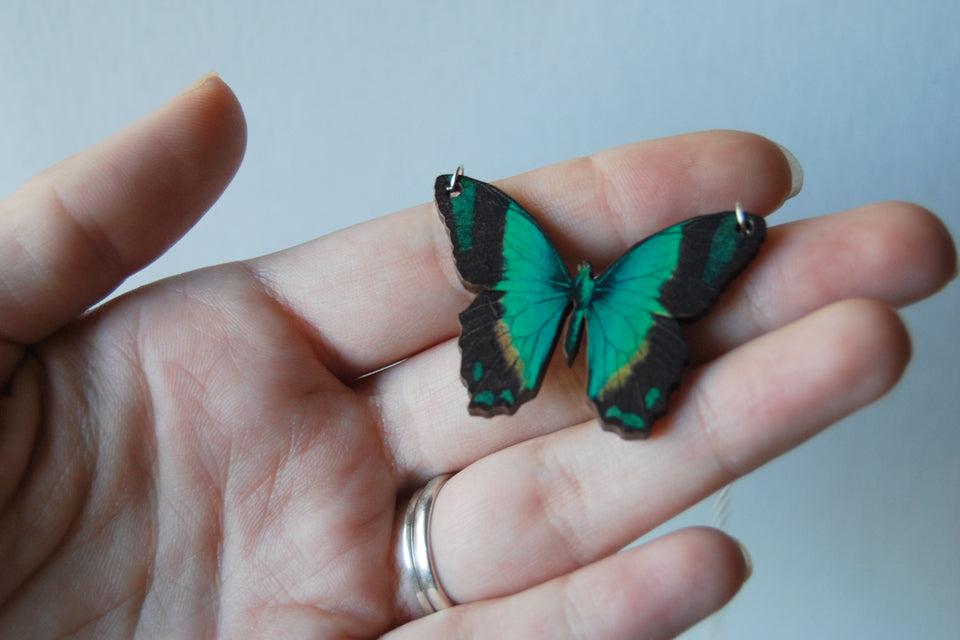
632,311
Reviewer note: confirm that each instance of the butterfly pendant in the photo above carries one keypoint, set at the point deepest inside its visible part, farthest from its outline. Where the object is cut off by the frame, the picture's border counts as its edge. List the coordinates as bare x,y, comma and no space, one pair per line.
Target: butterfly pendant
631,312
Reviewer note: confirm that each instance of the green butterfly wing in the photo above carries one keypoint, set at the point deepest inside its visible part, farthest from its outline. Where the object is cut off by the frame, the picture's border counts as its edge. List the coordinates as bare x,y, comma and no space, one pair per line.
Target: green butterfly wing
510,329
635,348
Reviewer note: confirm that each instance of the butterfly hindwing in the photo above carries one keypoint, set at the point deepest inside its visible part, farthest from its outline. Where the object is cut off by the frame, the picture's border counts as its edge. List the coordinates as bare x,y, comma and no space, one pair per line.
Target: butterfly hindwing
635,349
510,329
632,398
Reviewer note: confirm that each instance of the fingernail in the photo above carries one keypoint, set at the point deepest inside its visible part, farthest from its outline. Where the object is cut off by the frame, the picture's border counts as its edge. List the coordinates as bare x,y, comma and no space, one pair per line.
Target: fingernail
202,80
796,171
747,561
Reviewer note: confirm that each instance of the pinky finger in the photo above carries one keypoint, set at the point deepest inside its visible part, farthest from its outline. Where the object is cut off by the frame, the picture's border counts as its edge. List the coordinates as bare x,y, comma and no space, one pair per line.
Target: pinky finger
656,590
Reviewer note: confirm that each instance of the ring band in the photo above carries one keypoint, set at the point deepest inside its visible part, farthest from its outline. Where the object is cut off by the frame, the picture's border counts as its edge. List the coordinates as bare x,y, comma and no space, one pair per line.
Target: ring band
417,554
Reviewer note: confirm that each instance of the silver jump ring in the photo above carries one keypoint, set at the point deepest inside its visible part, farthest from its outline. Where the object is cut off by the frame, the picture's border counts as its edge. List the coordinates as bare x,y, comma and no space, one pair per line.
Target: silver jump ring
417,553
744,226
452,187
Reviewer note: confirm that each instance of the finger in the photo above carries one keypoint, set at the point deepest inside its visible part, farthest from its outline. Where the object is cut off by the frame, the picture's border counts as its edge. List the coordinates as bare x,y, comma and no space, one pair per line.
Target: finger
389,287
656,590
580,494
892,252
72,234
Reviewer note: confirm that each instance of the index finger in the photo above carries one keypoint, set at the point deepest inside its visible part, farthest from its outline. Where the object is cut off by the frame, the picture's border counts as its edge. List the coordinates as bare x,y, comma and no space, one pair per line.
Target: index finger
383,290
72,234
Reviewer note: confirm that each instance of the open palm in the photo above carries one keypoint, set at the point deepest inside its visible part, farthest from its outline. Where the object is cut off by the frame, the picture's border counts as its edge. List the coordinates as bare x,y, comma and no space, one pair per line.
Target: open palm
207,456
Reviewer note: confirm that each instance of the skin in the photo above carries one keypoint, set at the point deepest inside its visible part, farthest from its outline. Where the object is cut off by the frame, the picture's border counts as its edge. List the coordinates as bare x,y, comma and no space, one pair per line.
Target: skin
203,458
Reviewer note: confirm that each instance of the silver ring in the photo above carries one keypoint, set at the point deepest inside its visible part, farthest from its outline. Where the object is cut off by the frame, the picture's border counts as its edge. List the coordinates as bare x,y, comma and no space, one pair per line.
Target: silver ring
417,553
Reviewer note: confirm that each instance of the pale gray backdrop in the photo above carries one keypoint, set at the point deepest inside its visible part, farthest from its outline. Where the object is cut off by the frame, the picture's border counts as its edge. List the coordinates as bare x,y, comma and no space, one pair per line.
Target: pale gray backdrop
353,108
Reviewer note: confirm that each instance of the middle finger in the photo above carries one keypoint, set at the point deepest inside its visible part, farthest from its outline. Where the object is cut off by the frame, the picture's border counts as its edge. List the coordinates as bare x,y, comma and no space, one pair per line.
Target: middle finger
891,252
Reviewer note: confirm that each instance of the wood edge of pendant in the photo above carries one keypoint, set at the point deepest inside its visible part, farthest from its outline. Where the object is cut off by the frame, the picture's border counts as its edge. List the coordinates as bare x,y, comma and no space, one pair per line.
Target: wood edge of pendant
624,433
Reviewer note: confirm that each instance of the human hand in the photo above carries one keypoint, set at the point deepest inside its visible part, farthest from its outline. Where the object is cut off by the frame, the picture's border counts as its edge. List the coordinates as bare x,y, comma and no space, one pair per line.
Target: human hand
206,456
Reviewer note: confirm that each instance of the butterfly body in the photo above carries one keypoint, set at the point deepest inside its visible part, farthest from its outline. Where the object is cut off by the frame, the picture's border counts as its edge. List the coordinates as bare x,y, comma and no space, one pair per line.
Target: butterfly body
630,313
581,294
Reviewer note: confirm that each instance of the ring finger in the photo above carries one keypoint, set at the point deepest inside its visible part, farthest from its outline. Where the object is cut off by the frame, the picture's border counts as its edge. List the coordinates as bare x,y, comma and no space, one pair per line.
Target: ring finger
653,591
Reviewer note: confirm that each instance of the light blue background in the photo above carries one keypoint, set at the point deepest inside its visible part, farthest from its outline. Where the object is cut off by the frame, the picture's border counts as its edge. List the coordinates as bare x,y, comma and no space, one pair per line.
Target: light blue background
353,108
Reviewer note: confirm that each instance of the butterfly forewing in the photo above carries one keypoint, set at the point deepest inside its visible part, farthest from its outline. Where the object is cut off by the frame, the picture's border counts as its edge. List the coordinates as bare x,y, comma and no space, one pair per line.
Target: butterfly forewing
635,348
